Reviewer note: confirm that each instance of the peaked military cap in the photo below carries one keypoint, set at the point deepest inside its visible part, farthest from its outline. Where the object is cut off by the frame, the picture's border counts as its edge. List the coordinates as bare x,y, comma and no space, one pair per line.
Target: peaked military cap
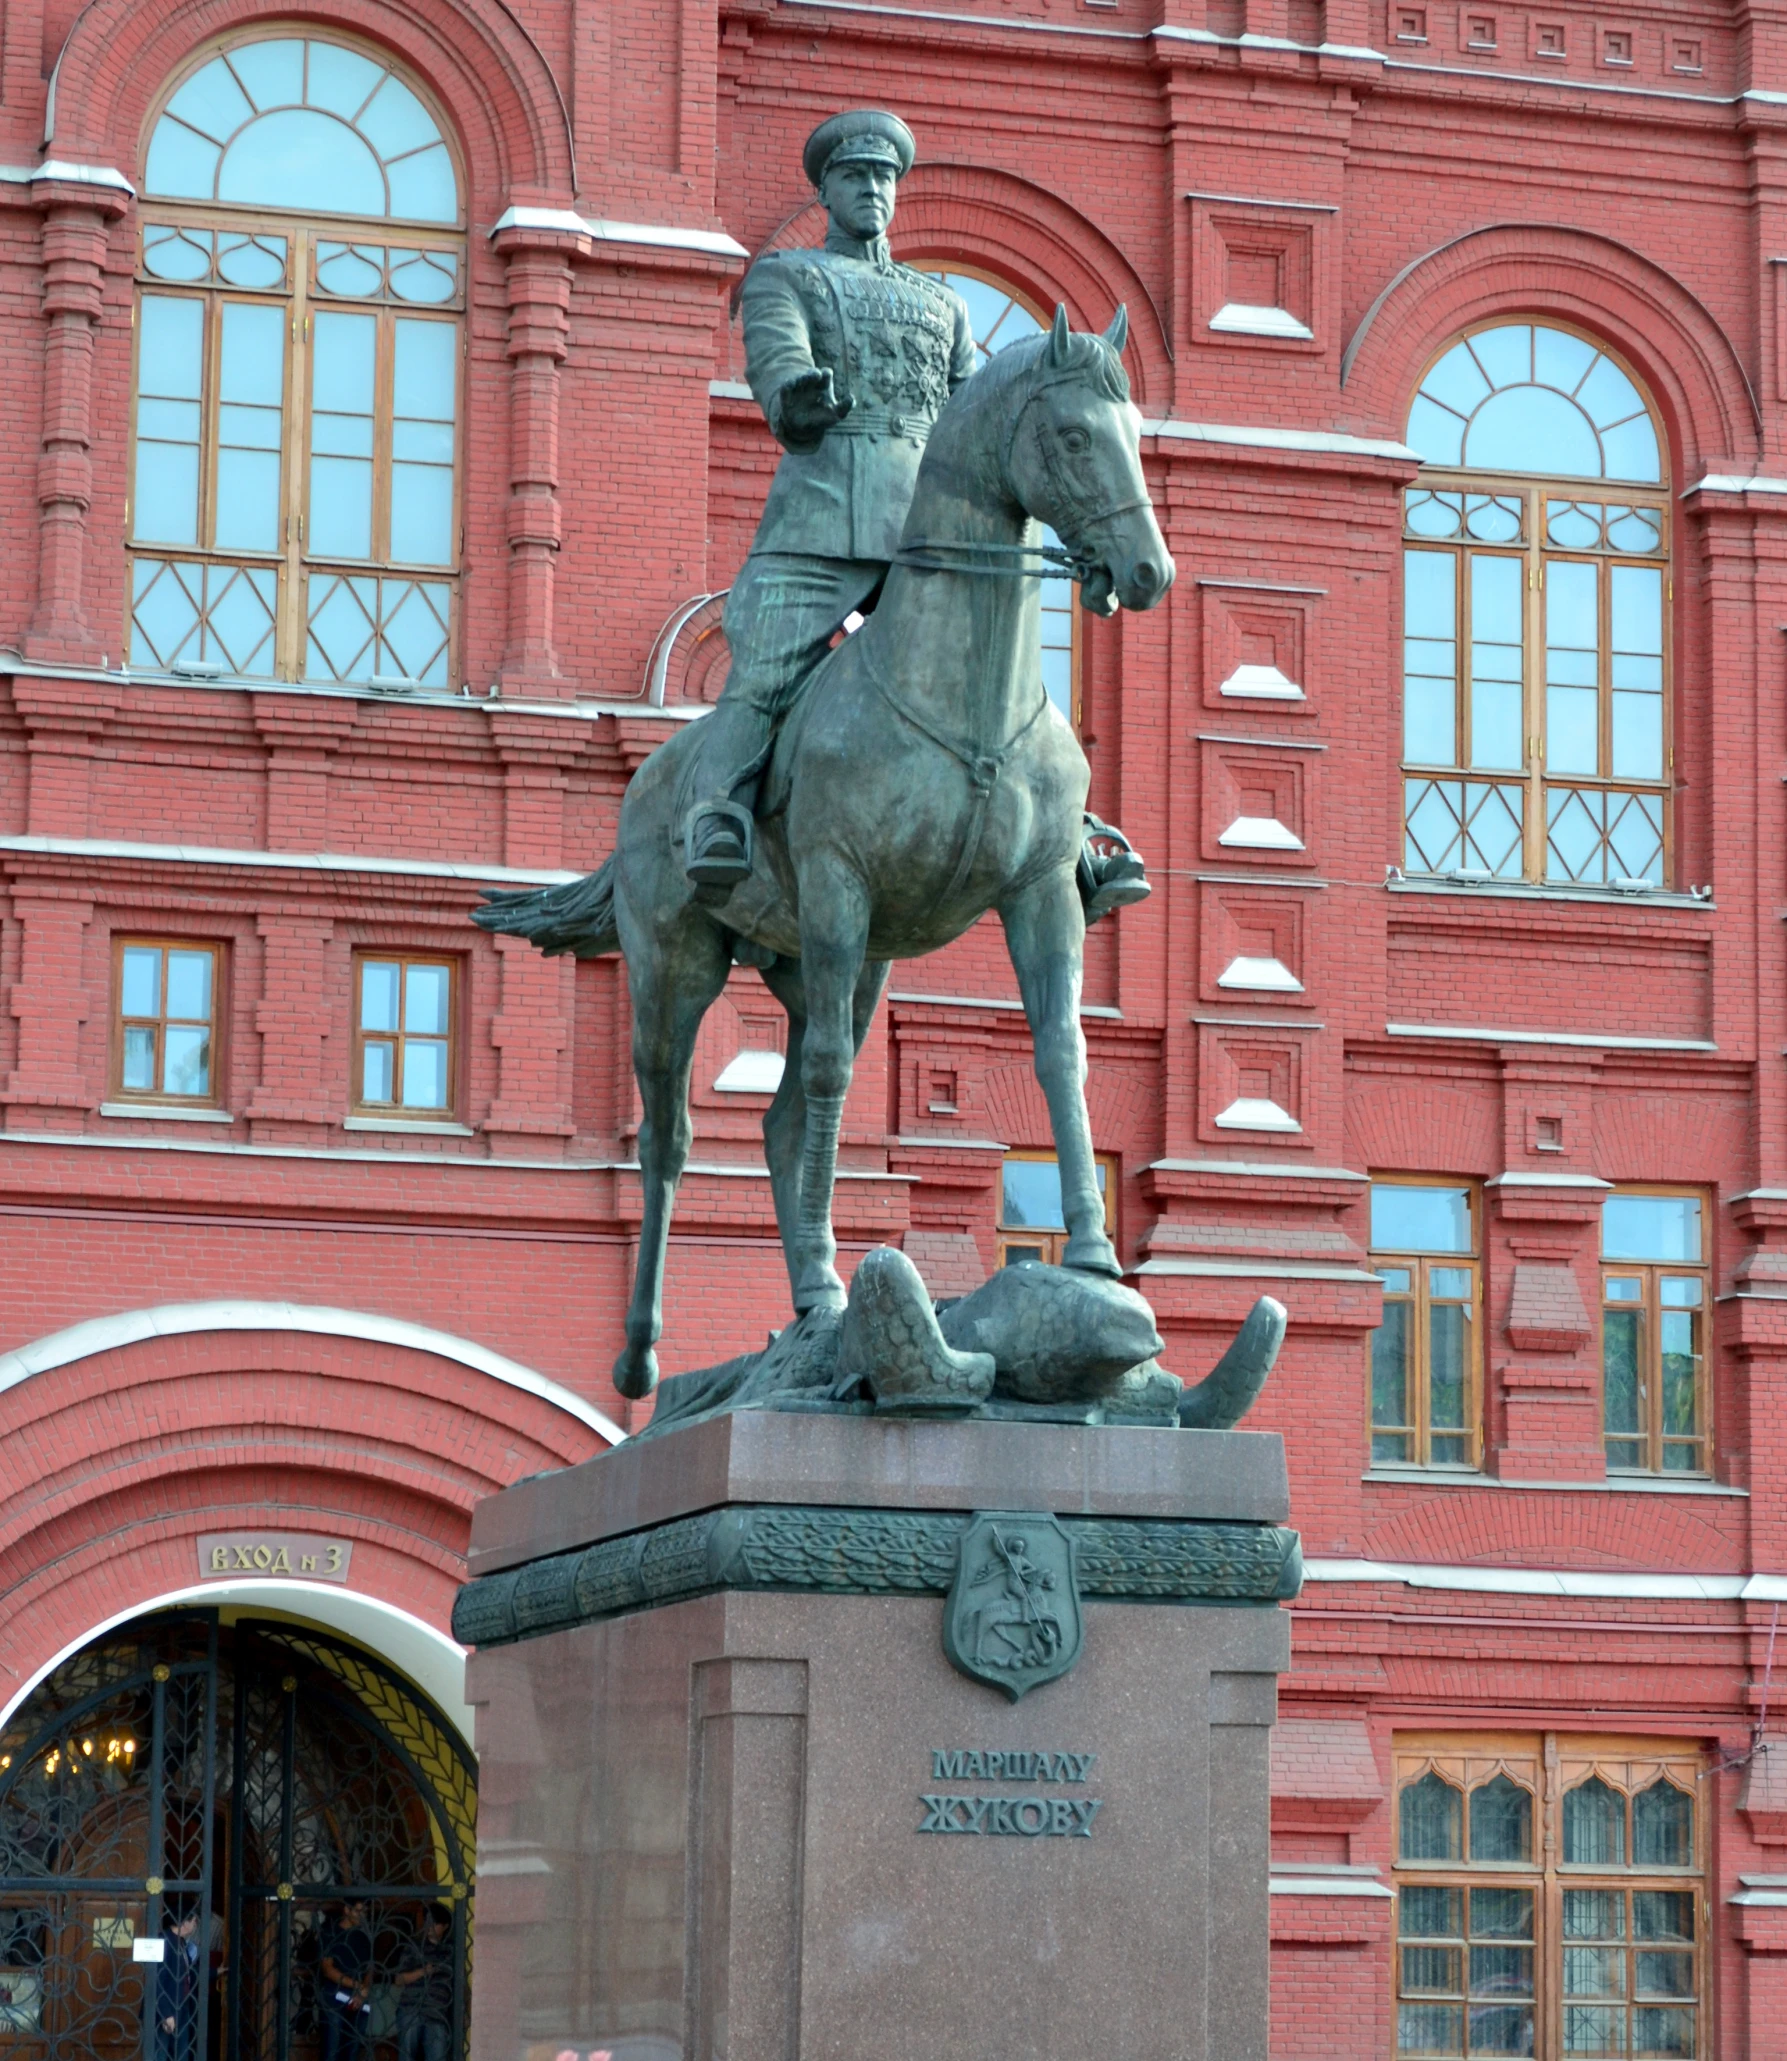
860,135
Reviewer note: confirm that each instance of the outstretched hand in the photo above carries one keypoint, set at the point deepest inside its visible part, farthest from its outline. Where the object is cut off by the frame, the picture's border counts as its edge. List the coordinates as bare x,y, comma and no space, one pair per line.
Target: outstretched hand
808,405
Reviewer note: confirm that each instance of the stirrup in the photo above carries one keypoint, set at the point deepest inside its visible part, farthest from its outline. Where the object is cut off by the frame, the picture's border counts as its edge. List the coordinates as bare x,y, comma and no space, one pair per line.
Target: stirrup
717,841
1110,874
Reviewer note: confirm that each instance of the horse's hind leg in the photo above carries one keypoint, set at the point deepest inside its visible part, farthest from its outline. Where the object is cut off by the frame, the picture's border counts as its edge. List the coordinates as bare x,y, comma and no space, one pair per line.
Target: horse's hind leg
1045,932
785,1121
674,978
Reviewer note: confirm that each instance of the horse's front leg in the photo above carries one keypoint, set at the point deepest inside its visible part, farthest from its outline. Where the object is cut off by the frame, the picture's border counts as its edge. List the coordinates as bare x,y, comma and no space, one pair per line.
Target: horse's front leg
1045,933
834,932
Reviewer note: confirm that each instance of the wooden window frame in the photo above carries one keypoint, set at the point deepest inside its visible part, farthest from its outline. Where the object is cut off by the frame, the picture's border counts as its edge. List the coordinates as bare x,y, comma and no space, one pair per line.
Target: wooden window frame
1536,553
1049,1245
159,1097
1549,1764
396,1111
292,563
1418,1264
1650,1273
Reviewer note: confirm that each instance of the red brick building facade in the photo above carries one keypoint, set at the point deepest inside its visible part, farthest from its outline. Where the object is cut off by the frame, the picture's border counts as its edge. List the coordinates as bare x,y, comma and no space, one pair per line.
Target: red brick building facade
353,568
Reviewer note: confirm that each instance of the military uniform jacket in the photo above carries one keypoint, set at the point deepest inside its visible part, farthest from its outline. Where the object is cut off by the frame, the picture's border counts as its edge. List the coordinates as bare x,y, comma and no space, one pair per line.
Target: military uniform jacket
898,343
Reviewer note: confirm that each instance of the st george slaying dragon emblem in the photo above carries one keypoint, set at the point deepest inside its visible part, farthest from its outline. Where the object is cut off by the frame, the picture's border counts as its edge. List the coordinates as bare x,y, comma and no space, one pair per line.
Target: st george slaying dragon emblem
1012,1617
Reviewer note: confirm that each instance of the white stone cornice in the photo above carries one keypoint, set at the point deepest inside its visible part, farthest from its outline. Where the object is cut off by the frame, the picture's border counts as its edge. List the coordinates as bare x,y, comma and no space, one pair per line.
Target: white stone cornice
712,243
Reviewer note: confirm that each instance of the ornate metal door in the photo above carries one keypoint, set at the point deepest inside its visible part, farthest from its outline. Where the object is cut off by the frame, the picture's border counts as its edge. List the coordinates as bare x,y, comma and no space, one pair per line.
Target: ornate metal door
188,1810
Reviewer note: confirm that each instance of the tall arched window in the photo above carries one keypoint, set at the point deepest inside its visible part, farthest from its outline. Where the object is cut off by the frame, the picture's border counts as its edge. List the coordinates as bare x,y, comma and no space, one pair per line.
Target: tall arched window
1536,718
1000,318
301,277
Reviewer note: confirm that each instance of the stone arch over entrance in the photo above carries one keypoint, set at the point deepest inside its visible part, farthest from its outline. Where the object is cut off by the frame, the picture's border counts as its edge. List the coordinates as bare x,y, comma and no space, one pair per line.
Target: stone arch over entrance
231,1834
133,1437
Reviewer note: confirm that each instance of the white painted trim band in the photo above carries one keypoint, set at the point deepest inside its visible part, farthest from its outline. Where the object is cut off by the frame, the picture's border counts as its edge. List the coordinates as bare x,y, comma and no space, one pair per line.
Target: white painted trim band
183,1319
658,236
1330,1885
1254,1167
1547,1581
1255,1270
60,172
1736,482
1477,1034
1329,442
290,862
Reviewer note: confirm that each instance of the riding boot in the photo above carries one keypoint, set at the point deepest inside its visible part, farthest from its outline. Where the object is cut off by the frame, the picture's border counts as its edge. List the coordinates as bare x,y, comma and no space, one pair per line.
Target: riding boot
1110,873
717,844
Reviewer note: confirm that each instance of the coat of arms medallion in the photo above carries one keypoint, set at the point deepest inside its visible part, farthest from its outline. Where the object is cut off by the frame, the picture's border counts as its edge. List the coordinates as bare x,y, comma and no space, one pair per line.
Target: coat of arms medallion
1012,1616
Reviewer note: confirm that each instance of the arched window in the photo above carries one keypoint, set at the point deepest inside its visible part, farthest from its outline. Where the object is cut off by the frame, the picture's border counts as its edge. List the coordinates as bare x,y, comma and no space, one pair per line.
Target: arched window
1000,317
1536,717
301,277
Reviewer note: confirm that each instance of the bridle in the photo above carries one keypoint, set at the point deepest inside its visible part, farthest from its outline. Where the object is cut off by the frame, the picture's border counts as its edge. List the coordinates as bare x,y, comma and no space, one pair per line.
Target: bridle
1026,561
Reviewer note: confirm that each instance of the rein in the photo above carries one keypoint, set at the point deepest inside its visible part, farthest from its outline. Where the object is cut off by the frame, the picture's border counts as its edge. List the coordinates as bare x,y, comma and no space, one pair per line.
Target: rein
983,767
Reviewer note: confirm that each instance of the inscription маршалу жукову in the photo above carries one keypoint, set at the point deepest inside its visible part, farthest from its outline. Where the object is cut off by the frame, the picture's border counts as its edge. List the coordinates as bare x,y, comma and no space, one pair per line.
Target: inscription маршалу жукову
1021,1817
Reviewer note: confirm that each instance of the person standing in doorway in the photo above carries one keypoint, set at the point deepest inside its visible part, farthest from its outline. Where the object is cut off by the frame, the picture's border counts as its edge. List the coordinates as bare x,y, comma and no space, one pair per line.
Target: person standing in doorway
177,1985
344,1985
424,1982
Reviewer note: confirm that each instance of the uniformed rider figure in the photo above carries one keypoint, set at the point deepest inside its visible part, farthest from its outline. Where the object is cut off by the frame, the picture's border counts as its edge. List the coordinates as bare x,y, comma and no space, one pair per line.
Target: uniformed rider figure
851,358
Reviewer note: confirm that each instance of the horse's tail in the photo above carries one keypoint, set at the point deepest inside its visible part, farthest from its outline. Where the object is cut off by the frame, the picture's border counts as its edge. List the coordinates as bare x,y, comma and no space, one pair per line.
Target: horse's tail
576,917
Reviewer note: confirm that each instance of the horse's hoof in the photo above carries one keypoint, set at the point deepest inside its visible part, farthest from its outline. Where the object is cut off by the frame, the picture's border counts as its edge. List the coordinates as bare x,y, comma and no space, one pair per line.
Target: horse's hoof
1093,1254
636,1372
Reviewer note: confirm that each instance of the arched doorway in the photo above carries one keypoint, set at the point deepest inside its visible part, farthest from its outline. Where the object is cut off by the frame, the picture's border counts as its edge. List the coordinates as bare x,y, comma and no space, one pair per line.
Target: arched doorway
190,1810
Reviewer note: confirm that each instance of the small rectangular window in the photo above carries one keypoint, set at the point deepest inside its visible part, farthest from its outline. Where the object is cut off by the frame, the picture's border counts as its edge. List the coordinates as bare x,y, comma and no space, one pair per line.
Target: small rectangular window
404,1036
1032,1225
1654,1297
164,1028
1425,1356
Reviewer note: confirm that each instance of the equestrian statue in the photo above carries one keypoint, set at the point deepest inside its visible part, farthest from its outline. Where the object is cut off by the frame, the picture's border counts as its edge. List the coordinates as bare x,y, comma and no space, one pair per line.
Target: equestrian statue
859,799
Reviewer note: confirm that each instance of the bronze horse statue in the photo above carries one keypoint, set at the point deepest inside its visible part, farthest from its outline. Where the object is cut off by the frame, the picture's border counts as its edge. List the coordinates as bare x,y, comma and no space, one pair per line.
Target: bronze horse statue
923,779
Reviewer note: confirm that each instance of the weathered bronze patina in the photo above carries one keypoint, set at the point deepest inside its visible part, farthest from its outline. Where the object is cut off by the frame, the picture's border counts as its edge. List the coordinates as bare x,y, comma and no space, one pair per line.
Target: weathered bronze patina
921,780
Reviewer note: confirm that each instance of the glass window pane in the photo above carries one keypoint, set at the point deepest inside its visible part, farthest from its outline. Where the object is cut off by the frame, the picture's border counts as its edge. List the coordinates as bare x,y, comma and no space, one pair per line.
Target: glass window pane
1430,2028
1663,1914
1031,1196
343,363
1448,1366
1594,1914
1450,1283
1594,1971
1501,1825
251,393
1681,1371
1651,1227
378,994
189,986
1660,2033
377,1070
271,72
423,188
1430,663
1497,661
1430,1969
425,993
1680,1291
139,1058
1663,1826
342,81
1501,1914
1390,1398
1532,429
422,440
1501,1971
1501,2028
1431,1821
165,503
1595,1825
302,151
395,122
1622,1339
1405,1218
424,1073
1597,2030
1623,1288
1430,1911
141,982
1572,646
188,1060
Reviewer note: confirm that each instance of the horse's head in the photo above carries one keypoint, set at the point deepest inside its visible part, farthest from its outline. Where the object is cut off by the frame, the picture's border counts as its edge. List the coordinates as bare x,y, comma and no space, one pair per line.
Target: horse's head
1074,462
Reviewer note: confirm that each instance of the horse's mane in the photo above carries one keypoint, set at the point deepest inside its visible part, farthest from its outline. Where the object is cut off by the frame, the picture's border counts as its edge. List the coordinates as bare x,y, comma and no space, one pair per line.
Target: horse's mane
1086,352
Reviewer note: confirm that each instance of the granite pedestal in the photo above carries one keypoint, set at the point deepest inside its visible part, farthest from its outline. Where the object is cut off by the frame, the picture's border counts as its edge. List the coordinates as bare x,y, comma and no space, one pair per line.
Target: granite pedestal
735,1803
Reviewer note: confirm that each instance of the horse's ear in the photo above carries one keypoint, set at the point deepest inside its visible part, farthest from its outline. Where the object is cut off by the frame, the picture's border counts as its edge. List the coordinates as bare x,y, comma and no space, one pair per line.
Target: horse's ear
1058,336
1118,333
